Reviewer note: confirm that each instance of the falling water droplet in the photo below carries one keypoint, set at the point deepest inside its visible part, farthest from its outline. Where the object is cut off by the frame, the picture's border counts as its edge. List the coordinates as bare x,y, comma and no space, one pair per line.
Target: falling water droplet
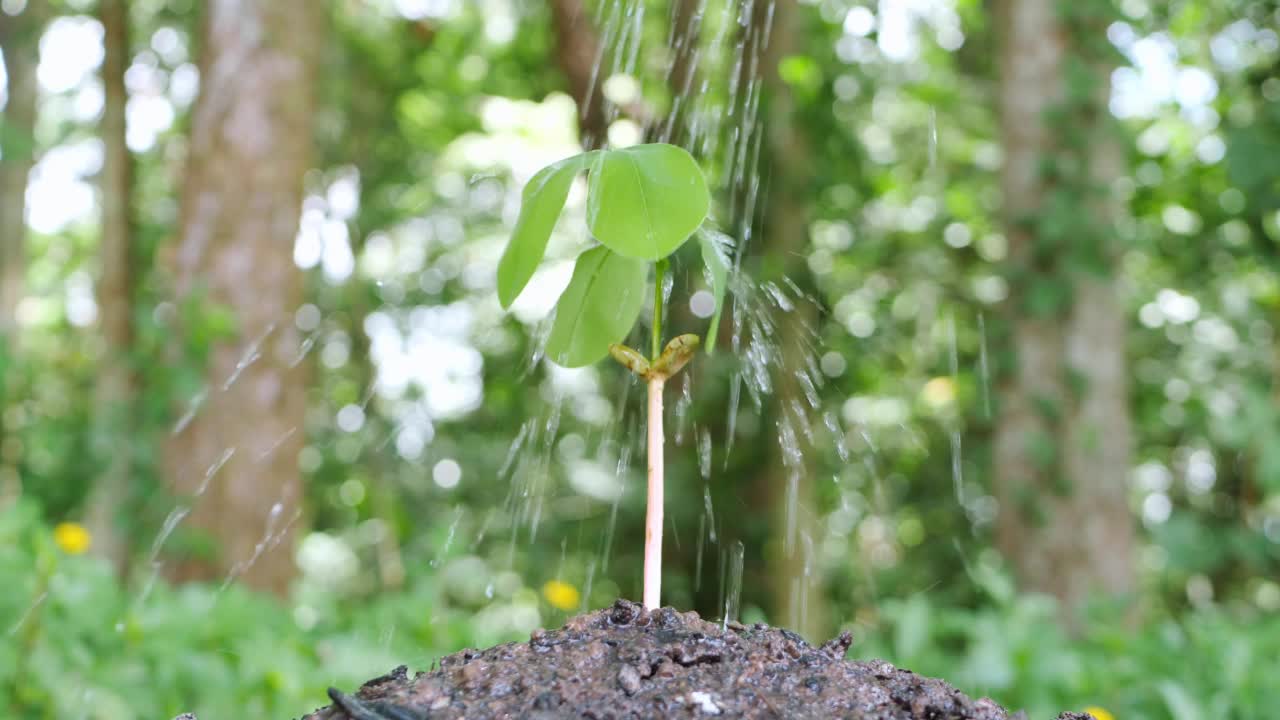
624,462
166,528
697,565
957,479
586,586
734,594
809,386
837,434
304,348
983,371
805,581
954,356
792,511
682,406
779,298
731,419
709,512
704,453
448,540
192,408
933,138
249,357
213,470
515,448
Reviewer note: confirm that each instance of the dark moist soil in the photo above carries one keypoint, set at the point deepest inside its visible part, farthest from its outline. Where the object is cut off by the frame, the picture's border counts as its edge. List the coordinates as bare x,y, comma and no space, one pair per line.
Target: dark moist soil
626,662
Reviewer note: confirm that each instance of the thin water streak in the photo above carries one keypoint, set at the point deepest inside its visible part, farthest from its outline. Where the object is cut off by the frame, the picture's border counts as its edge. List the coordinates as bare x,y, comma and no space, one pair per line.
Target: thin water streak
733,596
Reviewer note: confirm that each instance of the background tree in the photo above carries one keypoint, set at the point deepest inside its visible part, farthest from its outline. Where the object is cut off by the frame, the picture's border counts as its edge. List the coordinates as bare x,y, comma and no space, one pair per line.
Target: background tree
19,41
234,251
579,54
116,388
1063,442
19,38
789,484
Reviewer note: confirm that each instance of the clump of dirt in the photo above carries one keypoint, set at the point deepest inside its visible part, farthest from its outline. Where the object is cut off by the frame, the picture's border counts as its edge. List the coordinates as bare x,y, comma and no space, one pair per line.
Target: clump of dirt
627,662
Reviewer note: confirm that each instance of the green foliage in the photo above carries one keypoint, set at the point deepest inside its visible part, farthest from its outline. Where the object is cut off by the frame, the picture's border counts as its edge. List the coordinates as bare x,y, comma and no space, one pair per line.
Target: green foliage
1013,652
78,643
598,307
82,645
643,203
542,201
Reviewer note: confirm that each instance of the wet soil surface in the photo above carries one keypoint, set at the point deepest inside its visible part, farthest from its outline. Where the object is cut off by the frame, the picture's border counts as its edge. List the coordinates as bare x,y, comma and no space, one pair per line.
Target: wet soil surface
625,662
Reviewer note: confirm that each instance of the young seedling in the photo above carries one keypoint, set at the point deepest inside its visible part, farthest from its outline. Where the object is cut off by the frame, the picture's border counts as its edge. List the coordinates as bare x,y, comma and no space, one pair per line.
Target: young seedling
643,203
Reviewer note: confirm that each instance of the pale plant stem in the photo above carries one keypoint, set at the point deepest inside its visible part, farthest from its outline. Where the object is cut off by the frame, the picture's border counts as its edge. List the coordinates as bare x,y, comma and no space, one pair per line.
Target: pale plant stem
653,513
659,273
653,505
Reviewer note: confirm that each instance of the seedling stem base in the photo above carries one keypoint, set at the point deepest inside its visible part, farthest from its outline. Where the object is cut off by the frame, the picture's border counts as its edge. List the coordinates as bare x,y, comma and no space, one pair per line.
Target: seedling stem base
653,512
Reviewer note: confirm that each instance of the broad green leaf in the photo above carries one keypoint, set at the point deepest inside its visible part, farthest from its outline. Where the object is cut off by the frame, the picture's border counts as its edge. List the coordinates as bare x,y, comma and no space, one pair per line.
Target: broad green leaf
715,255
540,205
598,307
645,201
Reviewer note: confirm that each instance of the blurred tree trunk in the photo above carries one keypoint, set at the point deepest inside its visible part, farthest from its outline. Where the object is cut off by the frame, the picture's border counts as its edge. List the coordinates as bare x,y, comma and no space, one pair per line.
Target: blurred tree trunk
799,600
682,74
577,50
251,142
113,432
20,41
1062,446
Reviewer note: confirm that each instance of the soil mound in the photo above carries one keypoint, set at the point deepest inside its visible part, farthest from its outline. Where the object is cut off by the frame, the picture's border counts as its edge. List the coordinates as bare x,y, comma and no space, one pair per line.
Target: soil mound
626,662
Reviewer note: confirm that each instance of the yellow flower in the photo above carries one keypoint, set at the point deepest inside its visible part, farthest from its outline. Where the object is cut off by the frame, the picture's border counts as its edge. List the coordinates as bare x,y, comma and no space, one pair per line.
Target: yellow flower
73,538
939,392
561,595
1099,713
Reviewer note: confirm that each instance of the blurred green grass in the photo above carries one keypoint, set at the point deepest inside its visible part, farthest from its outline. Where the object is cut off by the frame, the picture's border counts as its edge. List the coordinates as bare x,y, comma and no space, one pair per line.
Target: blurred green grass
79,644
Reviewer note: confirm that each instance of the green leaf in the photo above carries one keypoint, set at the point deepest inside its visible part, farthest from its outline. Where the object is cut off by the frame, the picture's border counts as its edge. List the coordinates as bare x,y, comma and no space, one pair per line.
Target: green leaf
645,201
911,633
1180,703
715,255
541,202
598,307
